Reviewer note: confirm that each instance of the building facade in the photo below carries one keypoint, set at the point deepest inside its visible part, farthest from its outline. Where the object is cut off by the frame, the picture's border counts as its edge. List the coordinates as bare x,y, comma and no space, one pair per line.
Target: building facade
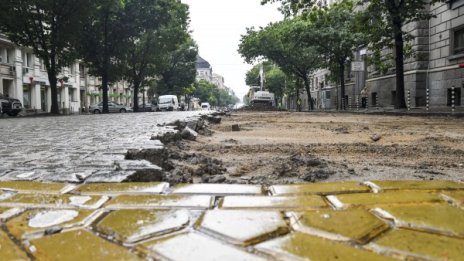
433,74
23,76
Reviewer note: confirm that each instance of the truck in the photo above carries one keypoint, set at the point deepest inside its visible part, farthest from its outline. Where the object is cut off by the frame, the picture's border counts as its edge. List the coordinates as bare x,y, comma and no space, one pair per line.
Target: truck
263,97
168,103
10,106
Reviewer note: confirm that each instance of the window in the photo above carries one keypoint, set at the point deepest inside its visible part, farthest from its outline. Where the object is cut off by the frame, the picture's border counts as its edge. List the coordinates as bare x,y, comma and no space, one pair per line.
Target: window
458,41
27,59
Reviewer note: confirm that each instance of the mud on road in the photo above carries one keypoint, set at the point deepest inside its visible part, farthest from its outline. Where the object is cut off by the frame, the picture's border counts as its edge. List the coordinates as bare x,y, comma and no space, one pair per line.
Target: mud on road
284,147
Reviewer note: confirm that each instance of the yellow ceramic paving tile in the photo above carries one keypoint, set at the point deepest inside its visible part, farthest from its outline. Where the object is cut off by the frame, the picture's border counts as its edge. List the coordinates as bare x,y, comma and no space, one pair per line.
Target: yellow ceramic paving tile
309,247
457,197
121,188
243,227
37,187
424,244
319,188
269,202
218,189
390,198
53,201
160,201
34,223
130,226
193,246
417,185
78,245
8,249
442,218
6,213
358,225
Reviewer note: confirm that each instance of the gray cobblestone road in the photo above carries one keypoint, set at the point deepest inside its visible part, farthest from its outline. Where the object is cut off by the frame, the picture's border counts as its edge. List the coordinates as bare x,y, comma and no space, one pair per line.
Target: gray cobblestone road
78,148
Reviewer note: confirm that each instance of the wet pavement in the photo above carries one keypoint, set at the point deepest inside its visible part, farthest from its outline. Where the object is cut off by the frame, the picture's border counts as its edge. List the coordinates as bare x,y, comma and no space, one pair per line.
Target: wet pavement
89,148
377,220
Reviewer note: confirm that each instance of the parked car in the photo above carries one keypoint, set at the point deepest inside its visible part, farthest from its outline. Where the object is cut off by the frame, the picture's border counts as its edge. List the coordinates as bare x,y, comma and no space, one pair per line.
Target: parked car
112,107
10,106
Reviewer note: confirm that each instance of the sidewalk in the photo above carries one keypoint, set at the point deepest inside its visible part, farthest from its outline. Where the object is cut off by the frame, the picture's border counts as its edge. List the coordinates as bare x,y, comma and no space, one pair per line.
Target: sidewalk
379,220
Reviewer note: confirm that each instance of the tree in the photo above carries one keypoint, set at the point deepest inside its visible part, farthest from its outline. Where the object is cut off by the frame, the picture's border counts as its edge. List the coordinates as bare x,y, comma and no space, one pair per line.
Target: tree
336,29
159,28
178,71
50,27
289,44
204,91
388,29
102,43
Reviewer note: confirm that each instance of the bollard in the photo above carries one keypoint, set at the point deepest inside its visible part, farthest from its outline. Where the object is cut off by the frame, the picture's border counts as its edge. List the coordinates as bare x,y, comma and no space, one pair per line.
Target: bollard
357,103
367,102
453,105
349,103
409,100
427,99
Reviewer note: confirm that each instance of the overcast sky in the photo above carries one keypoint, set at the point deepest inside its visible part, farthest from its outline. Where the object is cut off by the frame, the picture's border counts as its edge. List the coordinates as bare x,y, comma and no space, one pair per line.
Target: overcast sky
217,26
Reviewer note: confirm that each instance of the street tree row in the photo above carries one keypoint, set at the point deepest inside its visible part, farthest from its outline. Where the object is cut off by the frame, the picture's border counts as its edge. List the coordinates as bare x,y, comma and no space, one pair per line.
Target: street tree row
313,37
141,41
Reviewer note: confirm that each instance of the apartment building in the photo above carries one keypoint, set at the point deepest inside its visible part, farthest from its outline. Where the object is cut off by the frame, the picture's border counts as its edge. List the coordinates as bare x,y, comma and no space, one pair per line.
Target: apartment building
23,76
433,74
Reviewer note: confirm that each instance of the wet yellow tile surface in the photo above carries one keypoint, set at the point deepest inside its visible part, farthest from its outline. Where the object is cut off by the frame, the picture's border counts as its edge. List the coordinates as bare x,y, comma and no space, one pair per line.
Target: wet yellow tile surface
456,196
232,222
28,186
218,189
160,201
121,188
78,245
309,247
8,249
443,217
270,202
319,188
417,185
243,227
53,201
390,198
38,220
430,245
358,225
197,247
132,225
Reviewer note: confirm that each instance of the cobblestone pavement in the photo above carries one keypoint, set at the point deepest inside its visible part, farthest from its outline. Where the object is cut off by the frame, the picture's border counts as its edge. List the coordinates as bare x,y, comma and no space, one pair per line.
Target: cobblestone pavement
379,220
77,148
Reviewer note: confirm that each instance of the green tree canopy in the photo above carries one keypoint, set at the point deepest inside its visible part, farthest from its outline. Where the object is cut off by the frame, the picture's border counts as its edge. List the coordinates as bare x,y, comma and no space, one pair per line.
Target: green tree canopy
289,44
159,32
102,43
50,27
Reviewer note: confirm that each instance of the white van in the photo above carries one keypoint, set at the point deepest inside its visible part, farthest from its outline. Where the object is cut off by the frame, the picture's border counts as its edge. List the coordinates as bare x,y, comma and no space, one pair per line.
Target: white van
168,103
205,106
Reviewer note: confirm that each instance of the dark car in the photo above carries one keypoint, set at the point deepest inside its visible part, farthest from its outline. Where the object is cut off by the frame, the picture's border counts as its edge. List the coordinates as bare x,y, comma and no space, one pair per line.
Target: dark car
10,106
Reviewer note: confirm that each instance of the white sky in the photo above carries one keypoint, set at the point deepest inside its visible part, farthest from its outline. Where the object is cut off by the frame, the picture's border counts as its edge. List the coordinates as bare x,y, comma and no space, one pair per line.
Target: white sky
217,27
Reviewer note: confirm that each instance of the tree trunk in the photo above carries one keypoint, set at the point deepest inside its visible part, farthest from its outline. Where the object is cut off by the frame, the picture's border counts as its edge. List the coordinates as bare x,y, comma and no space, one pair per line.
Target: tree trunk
308,92
341,65
399,50
105,91
53,87
136,96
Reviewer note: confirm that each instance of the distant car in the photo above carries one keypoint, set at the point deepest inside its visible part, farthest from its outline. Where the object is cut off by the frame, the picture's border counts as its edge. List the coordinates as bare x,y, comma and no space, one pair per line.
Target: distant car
112,107
148,107
10,106
205,106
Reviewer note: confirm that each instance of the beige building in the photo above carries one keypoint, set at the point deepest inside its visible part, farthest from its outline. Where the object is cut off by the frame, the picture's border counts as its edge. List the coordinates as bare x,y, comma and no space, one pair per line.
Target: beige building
23,76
